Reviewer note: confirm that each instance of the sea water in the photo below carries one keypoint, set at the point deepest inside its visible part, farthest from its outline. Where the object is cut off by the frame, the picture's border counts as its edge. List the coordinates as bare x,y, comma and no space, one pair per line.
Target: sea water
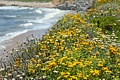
16,20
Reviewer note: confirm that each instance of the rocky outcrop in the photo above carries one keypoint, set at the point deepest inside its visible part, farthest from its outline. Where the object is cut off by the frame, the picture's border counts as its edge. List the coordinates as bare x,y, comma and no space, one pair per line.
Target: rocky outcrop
2,4
79,5
57,2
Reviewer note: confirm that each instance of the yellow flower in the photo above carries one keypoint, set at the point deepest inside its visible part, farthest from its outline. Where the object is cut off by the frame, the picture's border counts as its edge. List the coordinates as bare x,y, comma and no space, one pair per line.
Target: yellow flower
95,72
79,75
43,47
100,64
34,60
66,14
39,60
31,71
64,19
62,59
17,62
43,69
51,40
52,64
61,48
81,65
66,76
26,50
31,66
69,52
38,65
82,21
58,78
62,73
73,77
104,68
85,78
88,63
70,79
108,71
100,0
113,50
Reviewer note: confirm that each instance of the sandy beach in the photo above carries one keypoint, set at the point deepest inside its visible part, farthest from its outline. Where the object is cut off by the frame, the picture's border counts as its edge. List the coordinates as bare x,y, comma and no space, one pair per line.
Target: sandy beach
26,4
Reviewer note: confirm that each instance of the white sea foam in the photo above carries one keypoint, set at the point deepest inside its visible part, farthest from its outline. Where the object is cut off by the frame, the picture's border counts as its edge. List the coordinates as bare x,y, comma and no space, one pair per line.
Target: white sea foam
38,11
42,26
27,24
50,9
11,35
8,7
48,16
13,8
25,8
11,16
1,46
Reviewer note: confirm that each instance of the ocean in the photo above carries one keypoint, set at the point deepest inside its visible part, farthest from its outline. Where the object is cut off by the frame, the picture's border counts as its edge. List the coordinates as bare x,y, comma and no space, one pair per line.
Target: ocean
15,21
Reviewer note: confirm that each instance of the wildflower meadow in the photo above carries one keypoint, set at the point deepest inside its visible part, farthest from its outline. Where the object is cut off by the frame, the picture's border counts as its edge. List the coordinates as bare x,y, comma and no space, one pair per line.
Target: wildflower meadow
80,46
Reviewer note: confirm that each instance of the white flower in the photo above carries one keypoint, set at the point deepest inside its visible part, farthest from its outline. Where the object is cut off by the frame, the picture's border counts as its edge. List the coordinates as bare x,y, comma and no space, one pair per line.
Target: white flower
65,35
13,78
70,34
37,56
9,74
44,77
5,79
16,50
18,76
21,77
2,69
55,71
32,78
23,74
104,36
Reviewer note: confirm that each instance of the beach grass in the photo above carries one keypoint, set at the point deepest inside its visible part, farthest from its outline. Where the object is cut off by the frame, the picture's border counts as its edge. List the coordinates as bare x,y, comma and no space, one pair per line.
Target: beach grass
78,47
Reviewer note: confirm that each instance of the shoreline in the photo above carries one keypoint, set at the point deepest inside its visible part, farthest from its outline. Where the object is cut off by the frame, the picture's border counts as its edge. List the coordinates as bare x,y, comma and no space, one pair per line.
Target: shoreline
12,43
27,4
15,42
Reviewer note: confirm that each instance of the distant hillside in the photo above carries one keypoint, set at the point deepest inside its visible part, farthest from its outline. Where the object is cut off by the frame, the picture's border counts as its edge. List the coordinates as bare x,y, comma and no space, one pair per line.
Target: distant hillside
29,0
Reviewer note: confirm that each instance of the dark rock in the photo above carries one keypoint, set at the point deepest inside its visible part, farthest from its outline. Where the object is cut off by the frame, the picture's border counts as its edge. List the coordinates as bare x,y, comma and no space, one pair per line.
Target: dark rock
2,5
14,5
79,5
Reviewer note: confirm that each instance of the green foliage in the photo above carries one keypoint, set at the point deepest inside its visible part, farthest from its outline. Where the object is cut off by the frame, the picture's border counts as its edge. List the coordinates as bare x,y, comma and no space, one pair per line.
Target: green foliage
107,23
107,17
